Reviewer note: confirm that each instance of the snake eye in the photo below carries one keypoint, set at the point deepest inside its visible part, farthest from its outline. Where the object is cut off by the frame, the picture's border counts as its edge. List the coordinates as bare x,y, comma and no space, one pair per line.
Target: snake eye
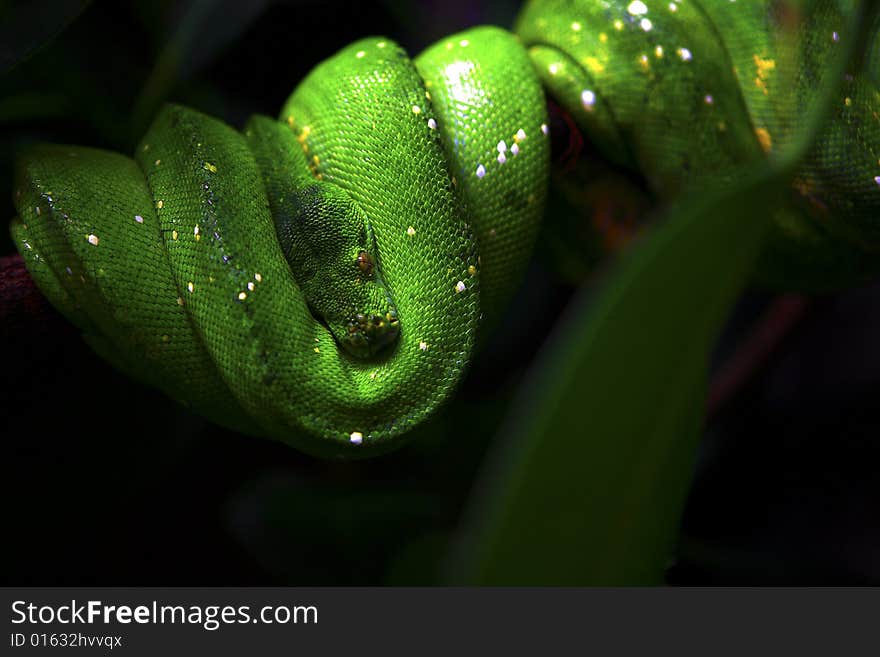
365,263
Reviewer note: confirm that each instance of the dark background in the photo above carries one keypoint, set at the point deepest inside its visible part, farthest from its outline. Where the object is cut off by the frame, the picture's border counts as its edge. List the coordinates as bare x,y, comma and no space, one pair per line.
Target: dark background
111,483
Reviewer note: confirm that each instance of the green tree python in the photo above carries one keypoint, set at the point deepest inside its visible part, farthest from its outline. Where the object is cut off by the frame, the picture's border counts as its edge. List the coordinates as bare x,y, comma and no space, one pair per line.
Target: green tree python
323,278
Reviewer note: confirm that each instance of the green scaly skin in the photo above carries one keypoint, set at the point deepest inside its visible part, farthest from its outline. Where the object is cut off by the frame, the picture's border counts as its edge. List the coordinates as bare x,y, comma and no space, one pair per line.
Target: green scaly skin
323,278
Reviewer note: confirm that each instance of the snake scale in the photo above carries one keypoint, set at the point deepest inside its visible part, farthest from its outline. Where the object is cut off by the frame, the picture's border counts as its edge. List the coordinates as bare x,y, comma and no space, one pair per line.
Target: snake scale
322,278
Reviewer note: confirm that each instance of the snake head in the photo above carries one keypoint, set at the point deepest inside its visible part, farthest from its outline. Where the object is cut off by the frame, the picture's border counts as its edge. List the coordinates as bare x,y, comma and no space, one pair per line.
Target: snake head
367,335
332,252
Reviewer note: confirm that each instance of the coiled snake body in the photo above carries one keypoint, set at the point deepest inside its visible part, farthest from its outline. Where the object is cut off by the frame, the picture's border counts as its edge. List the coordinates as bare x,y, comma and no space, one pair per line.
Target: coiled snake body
321,278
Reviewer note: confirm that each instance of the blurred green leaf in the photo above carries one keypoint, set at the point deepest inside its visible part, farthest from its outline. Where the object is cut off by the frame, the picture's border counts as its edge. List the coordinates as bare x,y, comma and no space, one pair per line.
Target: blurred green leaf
589,476
586,482
204,28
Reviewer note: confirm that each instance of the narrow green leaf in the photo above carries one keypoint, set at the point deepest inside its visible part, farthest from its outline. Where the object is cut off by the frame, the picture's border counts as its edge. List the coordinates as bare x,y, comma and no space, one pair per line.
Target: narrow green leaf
205,28
586,482
589,475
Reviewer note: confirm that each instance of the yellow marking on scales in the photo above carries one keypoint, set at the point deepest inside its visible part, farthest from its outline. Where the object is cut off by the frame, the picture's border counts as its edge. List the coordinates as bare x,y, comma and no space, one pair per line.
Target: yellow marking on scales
762,70
764,139
594,64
